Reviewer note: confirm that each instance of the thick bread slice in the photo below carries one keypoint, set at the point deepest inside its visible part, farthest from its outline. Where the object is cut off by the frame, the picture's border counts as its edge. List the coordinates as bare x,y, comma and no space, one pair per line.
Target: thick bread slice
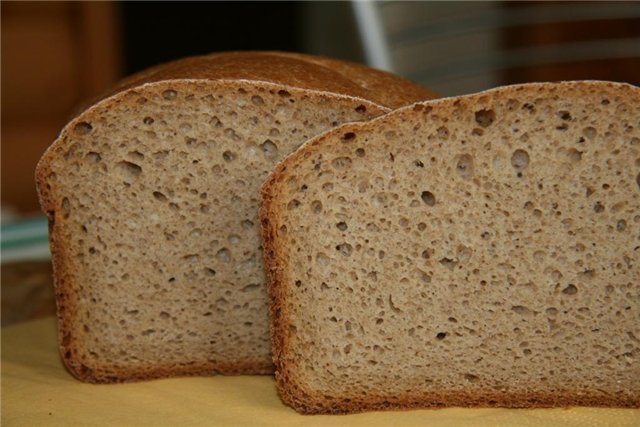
473,251
152,195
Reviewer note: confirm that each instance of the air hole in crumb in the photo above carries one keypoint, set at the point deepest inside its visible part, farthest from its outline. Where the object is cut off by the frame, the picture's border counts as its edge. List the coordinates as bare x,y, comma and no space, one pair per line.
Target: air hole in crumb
361,109
452,320
349,135
93,156
345,249
448,263
570,290
564,115
598,207
485,117
471,378
215,122
590,132
136,155
588,274
621,225
223,255
246,224
269,148
130,171
342,226
283,92
360,152
298,283
316,207
574,155
169,94
210,272
322,259
441,335
66,208
82,128
191,258
418,163
424,277
159,196
229,156
341,162
148,120
428,198
529,107
464,166
521,310
257,100
293,204
520,160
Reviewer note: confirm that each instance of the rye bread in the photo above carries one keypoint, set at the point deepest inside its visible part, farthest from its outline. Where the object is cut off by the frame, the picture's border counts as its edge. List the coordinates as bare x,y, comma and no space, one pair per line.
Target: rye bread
152,197
482,250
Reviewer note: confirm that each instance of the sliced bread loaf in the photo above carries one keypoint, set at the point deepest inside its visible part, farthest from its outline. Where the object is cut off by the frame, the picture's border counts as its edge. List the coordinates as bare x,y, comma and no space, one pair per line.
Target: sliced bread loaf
474,251
152,195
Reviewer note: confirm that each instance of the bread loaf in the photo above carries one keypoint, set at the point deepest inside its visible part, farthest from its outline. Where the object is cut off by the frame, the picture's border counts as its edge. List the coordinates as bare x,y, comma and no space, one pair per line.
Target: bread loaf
152,196
474,251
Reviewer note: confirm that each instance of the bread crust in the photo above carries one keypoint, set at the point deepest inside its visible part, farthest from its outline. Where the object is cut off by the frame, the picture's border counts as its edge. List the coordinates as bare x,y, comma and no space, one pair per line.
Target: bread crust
308,72
293,391
282,71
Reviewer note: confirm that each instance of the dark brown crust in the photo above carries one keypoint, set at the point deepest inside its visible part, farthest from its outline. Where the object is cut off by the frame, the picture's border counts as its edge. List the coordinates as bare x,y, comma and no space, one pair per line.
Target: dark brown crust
288,72
289,69
105,375
292,391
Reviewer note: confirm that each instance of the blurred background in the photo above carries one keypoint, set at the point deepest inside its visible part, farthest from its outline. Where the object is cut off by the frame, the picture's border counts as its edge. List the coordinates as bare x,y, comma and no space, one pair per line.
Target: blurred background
55,55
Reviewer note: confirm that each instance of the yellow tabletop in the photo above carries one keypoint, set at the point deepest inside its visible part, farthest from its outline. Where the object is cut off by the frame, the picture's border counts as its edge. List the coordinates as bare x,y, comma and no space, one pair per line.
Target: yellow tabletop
36,390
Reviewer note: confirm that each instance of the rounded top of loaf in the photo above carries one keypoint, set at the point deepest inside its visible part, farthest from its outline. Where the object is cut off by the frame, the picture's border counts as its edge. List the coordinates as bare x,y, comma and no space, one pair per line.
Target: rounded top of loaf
290,69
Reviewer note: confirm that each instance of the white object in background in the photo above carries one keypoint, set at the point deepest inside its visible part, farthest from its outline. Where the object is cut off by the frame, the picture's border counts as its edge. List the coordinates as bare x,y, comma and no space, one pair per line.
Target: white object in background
372,34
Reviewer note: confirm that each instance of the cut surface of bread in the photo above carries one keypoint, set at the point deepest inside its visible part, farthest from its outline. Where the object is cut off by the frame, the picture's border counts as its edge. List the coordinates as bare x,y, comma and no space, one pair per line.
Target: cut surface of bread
474,251
152,195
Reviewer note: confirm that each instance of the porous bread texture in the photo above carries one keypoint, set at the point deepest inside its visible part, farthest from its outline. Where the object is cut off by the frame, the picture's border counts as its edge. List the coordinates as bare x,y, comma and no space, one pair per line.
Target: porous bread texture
472,251
153,202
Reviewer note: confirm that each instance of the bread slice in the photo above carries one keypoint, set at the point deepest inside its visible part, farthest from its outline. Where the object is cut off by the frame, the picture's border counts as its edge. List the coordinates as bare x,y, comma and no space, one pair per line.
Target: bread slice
474,251
152,195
